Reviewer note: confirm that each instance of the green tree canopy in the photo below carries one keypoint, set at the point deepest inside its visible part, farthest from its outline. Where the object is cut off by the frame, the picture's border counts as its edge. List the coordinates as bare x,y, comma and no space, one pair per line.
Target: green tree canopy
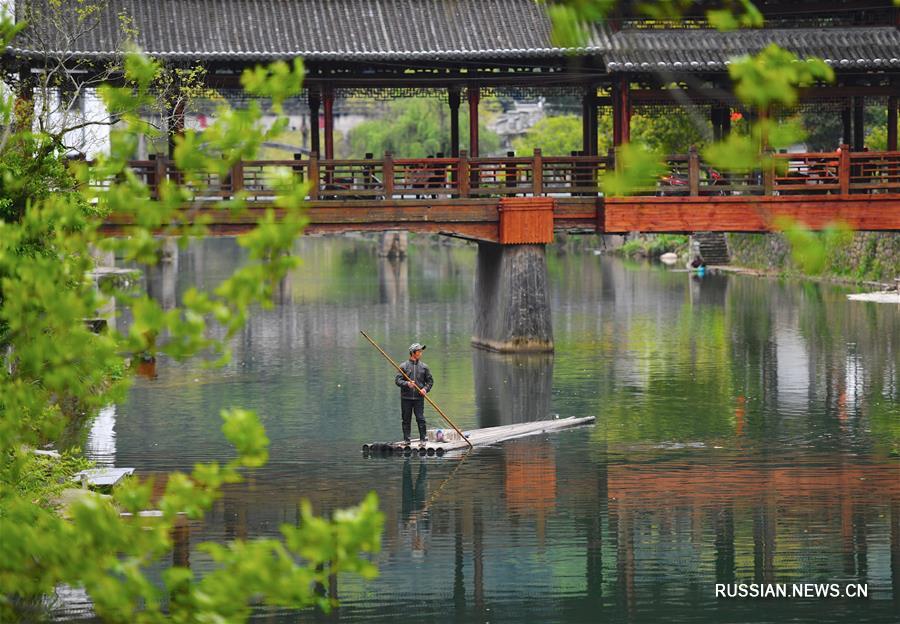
555,136
416,128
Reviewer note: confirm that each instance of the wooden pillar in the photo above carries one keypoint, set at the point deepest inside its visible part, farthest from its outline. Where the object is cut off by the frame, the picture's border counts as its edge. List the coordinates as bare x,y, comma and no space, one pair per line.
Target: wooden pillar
328,101
892,123
621,112
314,102
720,116
693,171
762,117
844,169
715,118
589,121
586,122
859,135
474,95
453,99
23,107
388,175
847,122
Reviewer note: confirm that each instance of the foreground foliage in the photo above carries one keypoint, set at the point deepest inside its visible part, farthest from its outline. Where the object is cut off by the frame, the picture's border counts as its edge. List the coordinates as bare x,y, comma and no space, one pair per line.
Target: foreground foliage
55,371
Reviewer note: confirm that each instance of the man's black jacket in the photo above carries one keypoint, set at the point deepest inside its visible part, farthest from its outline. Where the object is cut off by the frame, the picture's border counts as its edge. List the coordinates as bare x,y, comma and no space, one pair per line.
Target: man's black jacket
419,373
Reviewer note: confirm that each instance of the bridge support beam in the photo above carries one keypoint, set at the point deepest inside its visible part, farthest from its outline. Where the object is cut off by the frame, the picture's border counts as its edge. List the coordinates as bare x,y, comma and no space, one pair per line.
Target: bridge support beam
512,304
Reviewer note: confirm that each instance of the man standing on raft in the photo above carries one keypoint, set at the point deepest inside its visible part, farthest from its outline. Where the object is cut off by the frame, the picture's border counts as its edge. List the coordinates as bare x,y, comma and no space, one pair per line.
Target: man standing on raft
412,393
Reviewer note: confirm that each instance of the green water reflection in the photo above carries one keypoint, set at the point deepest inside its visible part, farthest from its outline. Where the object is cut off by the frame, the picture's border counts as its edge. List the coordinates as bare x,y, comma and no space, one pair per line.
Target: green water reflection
747,430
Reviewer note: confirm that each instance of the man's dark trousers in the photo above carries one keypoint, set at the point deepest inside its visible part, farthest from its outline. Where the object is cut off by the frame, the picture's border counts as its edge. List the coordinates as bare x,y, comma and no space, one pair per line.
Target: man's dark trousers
407,407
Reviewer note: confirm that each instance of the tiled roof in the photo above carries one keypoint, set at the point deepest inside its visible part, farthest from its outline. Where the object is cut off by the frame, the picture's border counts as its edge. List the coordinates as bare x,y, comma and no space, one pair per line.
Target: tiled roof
395,30
317,30
705,49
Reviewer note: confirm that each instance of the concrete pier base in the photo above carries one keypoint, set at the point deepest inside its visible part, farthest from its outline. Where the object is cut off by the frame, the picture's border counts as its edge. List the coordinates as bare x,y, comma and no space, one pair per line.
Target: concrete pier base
512,304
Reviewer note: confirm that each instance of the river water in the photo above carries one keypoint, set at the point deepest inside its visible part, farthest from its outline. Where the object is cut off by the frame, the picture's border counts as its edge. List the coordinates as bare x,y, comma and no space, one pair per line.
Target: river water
748,431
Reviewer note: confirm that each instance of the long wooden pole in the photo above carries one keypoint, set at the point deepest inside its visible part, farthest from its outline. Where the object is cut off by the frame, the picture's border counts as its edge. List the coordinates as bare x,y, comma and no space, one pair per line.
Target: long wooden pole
427,398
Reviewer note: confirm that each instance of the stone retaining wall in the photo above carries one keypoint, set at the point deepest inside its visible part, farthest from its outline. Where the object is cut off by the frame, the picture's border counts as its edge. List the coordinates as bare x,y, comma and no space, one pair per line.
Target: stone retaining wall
865,256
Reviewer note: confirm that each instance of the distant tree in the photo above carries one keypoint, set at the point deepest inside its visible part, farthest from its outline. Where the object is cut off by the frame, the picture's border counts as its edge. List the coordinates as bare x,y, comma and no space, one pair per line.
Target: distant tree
824,127
416,128
555,136
667,132
671,131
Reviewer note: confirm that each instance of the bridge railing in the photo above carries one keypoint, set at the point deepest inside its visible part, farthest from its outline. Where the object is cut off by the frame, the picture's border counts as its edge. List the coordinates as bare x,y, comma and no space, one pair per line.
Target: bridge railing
811,173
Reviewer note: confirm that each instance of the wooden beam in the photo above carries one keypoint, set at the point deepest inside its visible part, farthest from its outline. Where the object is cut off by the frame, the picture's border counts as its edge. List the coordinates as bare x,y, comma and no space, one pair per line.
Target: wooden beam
722,97
526,220
474,94
550,76
749,214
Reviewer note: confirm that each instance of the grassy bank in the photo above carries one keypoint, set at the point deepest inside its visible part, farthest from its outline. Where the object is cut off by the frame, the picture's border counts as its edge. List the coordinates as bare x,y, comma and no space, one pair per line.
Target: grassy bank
653,245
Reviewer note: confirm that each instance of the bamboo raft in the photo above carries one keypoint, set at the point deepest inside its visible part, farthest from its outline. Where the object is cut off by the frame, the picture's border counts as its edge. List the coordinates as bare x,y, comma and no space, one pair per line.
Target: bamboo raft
478,437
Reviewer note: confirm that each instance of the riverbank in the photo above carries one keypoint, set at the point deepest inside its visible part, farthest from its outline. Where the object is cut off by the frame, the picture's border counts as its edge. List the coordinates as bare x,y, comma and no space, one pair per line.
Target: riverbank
855,258
652,246
827,279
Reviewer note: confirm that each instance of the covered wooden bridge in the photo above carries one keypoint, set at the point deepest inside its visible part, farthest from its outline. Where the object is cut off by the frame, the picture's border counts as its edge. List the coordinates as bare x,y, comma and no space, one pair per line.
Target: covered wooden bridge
463,50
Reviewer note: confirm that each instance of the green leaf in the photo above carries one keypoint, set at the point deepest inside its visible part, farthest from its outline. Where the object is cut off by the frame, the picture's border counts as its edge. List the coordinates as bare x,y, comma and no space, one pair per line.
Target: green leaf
807,250
722,19
737,153
244,431
637,169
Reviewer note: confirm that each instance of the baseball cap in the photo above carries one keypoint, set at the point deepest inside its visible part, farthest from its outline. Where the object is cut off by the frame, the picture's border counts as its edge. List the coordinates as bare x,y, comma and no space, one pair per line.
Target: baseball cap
416,347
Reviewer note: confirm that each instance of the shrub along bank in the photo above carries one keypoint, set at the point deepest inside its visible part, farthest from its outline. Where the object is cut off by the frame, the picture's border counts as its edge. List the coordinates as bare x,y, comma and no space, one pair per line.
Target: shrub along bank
653,245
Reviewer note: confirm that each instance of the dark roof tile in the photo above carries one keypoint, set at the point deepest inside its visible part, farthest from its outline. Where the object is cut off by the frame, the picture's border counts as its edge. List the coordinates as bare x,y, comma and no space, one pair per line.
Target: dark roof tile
704,49
314,29
390,30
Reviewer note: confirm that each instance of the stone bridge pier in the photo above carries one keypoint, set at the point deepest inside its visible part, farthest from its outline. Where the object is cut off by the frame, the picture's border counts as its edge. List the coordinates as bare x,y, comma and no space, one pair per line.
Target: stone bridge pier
512,301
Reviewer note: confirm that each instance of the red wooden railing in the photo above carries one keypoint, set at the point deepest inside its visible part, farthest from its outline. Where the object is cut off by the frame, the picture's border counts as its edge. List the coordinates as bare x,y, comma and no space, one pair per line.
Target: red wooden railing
840,172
